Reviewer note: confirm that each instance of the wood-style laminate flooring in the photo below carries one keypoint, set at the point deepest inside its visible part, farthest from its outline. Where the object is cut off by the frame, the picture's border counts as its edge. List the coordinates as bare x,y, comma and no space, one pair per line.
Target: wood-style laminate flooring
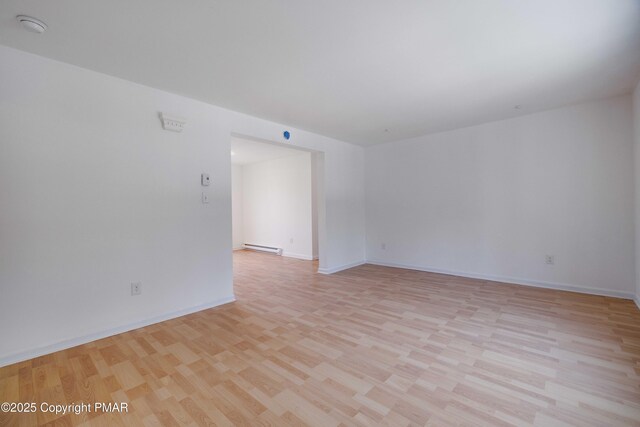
367,346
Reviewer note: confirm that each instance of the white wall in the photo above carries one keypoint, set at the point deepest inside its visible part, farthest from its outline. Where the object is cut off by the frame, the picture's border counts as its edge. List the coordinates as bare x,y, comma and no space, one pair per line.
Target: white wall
95,195
315,249
277,204
237,212
492,200
636,157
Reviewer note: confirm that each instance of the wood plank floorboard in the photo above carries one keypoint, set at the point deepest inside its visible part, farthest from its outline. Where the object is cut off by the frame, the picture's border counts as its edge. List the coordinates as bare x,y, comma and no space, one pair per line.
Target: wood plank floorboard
368,346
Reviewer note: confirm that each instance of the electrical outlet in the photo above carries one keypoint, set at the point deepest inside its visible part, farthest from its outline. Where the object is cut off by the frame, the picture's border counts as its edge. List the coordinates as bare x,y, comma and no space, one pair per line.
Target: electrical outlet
205,198
136,288
383,246
550,259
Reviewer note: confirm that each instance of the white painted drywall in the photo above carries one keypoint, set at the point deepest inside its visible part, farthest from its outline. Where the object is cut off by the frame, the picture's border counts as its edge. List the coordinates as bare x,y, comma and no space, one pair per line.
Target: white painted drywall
95,195
277,204
236,206
636,157
315,250
493,200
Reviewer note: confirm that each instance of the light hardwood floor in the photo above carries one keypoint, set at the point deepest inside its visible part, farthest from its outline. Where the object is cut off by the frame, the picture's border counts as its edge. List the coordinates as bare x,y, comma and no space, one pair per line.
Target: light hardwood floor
368,346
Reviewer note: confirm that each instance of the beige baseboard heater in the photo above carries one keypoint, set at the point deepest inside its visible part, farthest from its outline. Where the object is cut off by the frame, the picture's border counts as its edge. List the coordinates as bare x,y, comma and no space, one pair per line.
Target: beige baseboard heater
277,251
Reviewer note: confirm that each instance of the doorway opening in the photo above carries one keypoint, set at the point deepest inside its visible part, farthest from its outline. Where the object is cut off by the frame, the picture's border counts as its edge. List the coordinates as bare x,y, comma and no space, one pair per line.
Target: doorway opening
277,200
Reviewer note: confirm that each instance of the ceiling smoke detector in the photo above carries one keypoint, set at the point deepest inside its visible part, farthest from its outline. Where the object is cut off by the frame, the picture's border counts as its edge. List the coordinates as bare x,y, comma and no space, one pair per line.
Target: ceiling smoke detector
32,24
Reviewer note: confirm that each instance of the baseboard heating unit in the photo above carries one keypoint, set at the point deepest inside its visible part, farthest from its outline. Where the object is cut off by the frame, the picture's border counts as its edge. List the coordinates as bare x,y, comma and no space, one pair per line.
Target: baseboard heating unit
277,251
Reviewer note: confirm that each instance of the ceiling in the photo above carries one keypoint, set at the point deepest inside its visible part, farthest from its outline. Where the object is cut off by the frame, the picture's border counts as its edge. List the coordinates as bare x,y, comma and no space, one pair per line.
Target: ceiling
363,71
244,152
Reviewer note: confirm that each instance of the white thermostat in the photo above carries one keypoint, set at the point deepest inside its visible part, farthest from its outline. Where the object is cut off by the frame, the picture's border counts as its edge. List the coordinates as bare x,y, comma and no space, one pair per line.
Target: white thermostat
204,179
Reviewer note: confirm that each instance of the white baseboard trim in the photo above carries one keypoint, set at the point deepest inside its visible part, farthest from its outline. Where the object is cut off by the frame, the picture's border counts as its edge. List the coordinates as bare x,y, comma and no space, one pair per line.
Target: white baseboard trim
636,299
297,256
511,280
73,342
340,268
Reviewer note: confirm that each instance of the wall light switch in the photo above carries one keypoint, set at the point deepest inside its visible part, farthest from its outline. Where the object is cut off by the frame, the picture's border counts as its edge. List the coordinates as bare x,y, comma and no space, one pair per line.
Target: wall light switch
136,288
204,179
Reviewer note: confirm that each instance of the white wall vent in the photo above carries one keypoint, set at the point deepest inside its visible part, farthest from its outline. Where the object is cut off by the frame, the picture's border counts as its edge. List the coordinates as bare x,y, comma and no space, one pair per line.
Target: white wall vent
172,123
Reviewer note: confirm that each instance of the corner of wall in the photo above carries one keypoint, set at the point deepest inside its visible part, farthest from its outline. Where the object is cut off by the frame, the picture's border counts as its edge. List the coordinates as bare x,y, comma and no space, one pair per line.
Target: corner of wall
636,173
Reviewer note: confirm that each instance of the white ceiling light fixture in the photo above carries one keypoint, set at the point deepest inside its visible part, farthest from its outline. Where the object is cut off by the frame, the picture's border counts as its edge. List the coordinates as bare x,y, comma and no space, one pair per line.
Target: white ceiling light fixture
32,24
